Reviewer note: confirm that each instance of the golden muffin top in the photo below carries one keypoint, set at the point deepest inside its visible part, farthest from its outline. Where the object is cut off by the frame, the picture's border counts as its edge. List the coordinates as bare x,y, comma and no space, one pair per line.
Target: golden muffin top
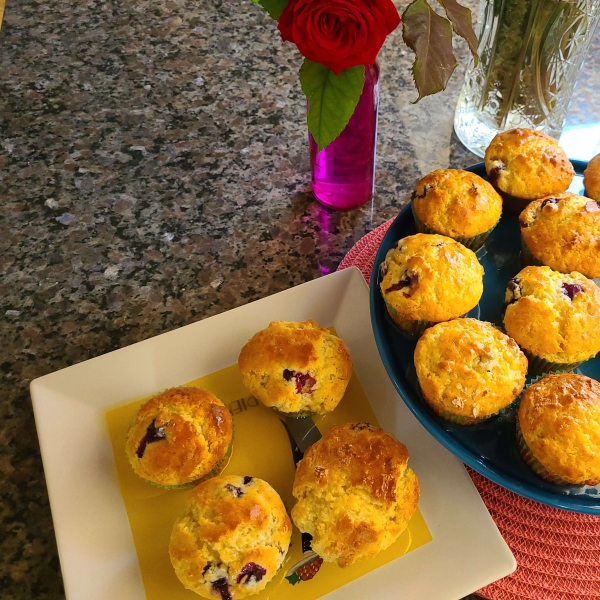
469,368
527,164
232,538
456,203
431,278
560,421
355,493
563,232
179,436
591,178
555,316
296,367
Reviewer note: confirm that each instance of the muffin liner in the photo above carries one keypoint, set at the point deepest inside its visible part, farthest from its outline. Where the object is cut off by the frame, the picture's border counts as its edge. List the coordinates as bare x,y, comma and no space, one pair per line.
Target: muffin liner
410,328
473,243
532,462
464,420
302,414
512,205
218,468
413,330
527,257
541,366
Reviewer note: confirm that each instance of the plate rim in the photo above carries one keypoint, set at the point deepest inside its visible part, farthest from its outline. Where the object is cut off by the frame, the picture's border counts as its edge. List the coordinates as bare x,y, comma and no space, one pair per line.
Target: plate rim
460,506
446,438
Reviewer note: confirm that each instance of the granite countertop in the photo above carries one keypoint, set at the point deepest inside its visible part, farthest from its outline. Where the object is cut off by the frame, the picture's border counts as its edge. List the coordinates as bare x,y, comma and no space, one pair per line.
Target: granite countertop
154,172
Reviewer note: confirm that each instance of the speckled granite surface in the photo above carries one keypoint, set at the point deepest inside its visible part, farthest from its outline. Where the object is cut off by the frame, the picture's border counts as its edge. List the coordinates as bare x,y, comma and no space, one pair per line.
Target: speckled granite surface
153,172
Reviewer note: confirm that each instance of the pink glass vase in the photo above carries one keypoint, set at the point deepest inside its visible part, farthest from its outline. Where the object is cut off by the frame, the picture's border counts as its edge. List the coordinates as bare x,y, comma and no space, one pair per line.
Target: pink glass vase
343,174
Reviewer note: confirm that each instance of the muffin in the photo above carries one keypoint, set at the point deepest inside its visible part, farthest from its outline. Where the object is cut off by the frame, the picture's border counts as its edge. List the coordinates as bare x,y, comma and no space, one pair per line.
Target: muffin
468,370
527,164
559,429
591,178
296,368
562,232
355,493
426,279
458,204
179,437
554,317
232,539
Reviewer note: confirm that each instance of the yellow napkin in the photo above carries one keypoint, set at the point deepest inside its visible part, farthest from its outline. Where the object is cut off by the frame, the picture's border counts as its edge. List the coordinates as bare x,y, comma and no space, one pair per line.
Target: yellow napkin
261,448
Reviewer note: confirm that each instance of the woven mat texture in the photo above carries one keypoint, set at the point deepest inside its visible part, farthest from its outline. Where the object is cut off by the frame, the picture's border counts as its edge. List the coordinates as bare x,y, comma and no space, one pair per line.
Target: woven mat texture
557,551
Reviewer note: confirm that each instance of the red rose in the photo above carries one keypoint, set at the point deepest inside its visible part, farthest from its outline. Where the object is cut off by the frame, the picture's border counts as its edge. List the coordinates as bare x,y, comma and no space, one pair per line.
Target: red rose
339,34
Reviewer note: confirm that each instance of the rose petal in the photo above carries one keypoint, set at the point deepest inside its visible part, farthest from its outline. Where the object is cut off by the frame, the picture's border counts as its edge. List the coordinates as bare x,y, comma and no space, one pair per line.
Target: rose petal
339,33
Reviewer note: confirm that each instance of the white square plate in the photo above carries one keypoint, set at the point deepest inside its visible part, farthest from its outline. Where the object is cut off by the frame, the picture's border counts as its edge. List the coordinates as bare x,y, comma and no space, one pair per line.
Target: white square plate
95,544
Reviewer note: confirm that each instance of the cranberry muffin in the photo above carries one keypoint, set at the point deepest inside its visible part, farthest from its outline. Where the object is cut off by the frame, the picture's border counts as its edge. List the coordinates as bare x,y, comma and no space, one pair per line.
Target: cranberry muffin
296,368
591,178
468,370
426,279
179,437
554,317
355,493
232,539
559,429
562,232
457,204
527,164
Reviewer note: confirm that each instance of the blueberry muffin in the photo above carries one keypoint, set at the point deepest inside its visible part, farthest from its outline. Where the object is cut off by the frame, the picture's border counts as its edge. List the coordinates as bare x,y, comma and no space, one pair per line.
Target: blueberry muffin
179,437
296,368
232,539
427,279
559,429
562,232
458,204
554,317
591,178
468,370
355,493
527,164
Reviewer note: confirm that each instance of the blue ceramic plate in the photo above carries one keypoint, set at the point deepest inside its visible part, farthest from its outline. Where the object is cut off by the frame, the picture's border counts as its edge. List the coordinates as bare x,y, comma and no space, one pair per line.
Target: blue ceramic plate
489,447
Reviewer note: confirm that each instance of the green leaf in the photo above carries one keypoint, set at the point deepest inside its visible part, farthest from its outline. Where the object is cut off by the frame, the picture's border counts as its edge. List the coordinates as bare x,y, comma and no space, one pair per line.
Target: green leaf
429,36
273,7
294,578
332,99
462,23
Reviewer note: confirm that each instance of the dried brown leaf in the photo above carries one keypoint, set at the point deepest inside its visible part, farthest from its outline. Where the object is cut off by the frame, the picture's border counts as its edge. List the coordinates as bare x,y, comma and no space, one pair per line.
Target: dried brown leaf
462,23
429,36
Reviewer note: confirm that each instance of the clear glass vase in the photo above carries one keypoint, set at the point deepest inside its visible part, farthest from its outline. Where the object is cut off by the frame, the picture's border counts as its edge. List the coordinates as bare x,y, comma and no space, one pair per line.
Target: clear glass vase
343,174
531,53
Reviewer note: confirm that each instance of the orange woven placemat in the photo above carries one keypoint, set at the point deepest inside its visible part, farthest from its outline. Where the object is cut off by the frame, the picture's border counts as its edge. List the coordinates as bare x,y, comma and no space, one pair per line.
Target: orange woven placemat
557,551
